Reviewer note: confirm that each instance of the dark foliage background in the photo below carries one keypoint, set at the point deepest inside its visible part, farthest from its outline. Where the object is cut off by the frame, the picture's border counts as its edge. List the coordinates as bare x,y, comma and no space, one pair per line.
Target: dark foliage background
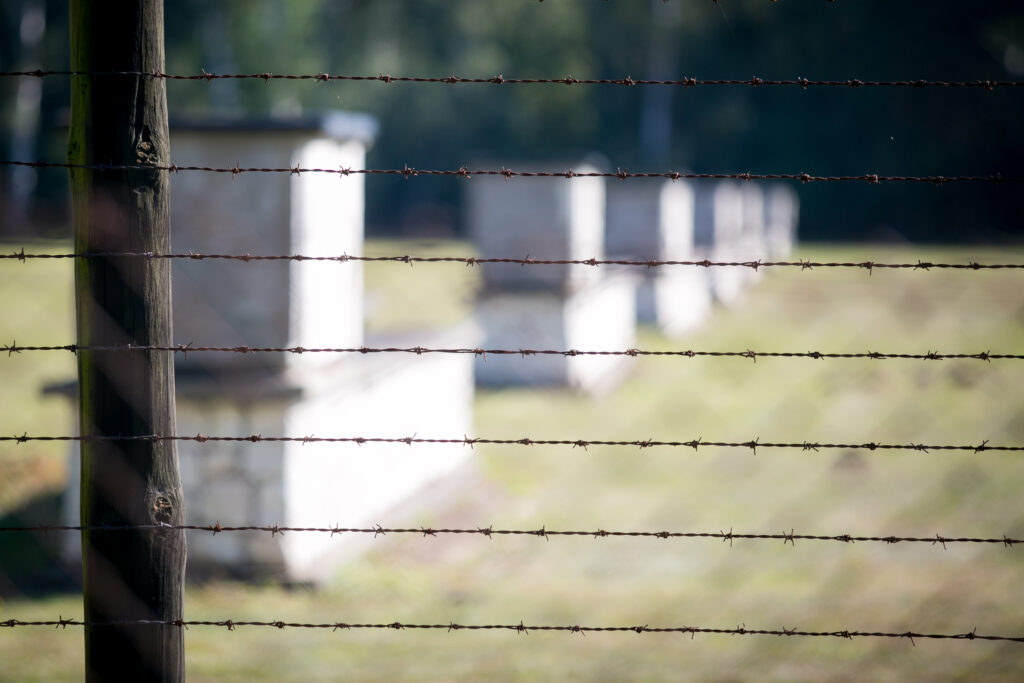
941,131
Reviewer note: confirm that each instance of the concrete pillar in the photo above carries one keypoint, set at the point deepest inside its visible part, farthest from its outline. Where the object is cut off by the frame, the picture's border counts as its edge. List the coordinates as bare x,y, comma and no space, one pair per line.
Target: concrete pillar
781,211
655,221
718,231
549,306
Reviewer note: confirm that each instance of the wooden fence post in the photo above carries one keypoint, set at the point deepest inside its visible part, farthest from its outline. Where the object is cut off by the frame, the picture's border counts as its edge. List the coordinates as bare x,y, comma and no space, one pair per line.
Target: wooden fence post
128,575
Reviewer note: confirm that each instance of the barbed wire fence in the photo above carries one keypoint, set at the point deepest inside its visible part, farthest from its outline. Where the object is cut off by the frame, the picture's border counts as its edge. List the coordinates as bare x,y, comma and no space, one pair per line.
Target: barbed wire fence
186,349
524,629
489,532
695,444
690,82
802,264
508,173
786,537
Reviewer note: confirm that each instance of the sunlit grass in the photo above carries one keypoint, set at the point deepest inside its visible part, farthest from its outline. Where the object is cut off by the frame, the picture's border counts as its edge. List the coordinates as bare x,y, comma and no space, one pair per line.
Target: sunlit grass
37,299
402,297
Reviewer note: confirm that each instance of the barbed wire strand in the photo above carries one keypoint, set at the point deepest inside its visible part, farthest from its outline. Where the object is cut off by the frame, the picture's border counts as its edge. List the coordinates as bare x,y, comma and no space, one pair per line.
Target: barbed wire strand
185,349
695,444
523,628
688,82
802,264
377,530
508,174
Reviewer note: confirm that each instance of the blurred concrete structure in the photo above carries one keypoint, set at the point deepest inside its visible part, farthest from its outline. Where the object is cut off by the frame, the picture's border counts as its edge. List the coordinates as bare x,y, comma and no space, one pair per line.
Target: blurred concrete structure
286,304
754,239
319,484
274,303
551,306
541,217
719,236
781,216
655,221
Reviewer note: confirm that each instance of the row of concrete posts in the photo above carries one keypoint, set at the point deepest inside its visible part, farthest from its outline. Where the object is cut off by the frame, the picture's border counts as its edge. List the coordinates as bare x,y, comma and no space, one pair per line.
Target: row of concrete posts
289,304
597,308
320,304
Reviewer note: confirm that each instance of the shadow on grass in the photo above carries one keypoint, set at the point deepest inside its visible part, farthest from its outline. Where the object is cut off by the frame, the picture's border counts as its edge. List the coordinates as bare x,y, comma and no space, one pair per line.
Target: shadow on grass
30,562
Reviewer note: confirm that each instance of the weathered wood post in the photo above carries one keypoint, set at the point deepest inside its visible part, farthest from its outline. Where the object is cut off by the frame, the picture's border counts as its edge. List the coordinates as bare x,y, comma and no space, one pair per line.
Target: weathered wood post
129,575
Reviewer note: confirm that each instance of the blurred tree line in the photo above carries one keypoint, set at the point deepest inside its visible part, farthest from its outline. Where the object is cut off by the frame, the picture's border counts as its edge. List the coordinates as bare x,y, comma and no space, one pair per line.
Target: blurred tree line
822,131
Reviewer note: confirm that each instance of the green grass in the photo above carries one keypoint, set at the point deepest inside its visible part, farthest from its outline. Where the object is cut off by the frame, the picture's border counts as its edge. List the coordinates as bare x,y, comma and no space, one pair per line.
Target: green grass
400,297
813,586
37,299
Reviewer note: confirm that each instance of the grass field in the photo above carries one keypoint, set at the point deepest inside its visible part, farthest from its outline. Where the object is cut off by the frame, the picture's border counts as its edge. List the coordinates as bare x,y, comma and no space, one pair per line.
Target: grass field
676,582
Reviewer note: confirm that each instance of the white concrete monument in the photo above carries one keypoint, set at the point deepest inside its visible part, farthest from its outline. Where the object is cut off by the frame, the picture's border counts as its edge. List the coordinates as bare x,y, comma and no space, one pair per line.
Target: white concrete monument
753,241
549,218
320,484
781,214
557,307
276,303
655,221
287,304
719,236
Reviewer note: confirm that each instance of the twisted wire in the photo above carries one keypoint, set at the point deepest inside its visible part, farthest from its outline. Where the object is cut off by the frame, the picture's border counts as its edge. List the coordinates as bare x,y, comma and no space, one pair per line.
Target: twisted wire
695,444
508,174
185,349
471,261
522,628
688,82
377,530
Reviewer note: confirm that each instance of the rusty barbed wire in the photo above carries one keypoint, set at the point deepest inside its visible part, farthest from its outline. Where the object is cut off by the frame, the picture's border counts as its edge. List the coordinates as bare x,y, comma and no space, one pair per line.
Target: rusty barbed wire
695,444
377,530
185,349
508,174
688,82
522,628
802,264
